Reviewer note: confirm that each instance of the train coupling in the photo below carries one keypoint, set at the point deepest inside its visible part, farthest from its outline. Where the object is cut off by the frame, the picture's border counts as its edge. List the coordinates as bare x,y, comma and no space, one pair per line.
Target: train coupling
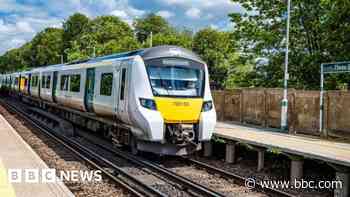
180,133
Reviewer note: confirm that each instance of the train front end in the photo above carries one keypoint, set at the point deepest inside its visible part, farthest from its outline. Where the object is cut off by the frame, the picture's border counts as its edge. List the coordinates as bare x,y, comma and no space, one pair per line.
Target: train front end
179,84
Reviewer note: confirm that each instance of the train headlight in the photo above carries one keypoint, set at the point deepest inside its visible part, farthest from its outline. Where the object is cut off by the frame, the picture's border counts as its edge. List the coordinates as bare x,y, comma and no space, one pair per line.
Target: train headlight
148,103
207,106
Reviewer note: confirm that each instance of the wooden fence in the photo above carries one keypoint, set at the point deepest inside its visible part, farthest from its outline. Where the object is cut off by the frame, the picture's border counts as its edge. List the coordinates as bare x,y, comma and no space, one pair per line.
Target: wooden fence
262,107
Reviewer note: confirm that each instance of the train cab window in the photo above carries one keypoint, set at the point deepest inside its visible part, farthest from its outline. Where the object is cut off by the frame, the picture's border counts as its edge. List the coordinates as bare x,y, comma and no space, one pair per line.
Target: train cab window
106,84
75,83
64,82
176,77
122,86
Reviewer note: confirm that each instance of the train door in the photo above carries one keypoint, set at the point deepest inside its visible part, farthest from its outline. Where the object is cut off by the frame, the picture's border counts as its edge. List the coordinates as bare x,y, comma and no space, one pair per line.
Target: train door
39,85
89,89
29,83
54,86
123,91
19,81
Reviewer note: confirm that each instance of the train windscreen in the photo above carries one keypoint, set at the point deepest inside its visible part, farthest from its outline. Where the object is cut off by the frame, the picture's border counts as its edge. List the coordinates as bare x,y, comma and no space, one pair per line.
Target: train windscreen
176,77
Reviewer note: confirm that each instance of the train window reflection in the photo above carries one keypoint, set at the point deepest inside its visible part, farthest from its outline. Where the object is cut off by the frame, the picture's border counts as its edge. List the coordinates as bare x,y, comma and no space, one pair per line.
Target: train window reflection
43,81
64,82
176,81
48,82
75,83
106,84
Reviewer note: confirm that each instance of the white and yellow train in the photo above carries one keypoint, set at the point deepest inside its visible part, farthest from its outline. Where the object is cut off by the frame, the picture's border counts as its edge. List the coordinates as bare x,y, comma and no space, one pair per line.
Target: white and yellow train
156,99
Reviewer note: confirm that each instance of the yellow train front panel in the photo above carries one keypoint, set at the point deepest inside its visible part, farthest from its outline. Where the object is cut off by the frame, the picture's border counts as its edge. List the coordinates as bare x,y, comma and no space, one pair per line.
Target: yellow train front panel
179,110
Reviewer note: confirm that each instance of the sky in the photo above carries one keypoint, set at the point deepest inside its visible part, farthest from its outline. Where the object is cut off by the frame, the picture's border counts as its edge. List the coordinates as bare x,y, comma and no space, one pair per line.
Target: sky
20,20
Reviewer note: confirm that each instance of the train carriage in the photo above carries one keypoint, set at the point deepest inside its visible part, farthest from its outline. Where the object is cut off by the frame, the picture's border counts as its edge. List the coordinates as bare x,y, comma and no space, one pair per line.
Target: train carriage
162,94
34,83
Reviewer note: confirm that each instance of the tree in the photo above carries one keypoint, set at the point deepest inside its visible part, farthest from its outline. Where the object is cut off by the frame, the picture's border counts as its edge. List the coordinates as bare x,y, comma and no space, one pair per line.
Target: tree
177,38
114,46
104,35
151,23
318,34
217,50
73,27
16,59
47,47
106,28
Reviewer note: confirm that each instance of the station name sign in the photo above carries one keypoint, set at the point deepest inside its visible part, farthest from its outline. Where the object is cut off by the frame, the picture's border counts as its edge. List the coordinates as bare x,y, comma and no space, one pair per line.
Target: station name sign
339,67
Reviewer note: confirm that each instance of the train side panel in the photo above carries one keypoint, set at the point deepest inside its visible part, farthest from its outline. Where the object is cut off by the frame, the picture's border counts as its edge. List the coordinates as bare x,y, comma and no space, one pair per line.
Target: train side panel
71,88
207,119
46,86
149,123
34,84
106,83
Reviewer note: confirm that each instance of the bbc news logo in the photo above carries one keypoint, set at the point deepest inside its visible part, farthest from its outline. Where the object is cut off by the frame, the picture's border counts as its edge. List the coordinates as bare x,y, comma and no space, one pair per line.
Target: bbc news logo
52,176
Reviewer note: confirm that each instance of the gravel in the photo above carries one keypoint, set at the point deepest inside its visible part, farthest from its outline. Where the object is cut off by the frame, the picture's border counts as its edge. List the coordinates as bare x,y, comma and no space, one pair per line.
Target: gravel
276,168
214,181
61,159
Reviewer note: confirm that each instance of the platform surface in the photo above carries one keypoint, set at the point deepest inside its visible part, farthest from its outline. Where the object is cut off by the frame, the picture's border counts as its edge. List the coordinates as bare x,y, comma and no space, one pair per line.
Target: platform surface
309,147
15,153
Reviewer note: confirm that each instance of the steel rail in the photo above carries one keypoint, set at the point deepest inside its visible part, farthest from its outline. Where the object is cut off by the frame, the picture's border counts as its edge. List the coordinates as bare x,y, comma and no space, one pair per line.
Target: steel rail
85,153
183,181
231,175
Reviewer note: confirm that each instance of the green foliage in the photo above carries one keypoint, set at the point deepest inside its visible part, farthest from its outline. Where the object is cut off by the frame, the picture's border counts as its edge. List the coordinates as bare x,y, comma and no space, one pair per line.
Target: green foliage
319,33
217,50
114,46
16,59
73,27
275,151
106,28
47,47
218,140
104,35
176,38
150,23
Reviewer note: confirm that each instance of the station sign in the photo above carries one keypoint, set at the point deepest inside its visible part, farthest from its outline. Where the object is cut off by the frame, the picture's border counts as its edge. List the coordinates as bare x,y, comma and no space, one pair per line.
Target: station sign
339,67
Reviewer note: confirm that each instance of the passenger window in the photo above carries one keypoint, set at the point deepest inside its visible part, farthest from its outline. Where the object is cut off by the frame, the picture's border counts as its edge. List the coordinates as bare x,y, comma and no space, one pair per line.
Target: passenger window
75,83
36,81
32,81
48,82
43,80
122,86
106,84
64,83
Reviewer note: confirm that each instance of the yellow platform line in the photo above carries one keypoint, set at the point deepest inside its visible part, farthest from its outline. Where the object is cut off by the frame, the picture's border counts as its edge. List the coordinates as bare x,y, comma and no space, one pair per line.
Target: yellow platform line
6,188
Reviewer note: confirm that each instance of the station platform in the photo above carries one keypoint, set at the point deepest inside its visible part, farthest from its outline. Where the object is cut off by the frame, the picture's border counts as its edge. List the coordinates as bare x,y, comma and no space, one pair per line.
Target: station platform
16,154
296,147
309,147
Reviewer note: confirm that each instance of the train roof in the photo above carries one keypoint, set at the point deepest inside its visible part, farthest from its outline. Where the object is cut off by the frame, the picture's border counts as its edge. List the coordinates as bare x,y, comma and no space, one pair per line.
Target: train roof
147,53
150,53
169,51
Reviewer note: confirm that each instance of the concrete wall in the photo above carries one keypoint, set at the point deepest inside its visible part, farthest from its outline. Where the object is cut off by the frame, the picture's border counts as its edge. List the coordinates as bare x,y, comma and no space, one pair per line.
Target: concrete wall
262,107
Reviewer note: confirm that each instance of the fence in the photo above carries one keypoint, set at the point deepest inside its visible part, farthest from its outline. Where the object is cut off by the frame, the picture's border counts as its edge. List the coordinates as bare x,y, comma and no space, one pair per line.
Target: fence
262,107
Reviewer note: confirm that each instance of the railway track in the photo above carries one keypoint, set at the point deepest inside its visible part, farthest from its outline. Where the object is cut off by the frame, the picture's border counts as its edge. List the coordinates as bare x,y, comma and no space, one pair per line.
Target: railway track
112,171
240,179
190,162
110,166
